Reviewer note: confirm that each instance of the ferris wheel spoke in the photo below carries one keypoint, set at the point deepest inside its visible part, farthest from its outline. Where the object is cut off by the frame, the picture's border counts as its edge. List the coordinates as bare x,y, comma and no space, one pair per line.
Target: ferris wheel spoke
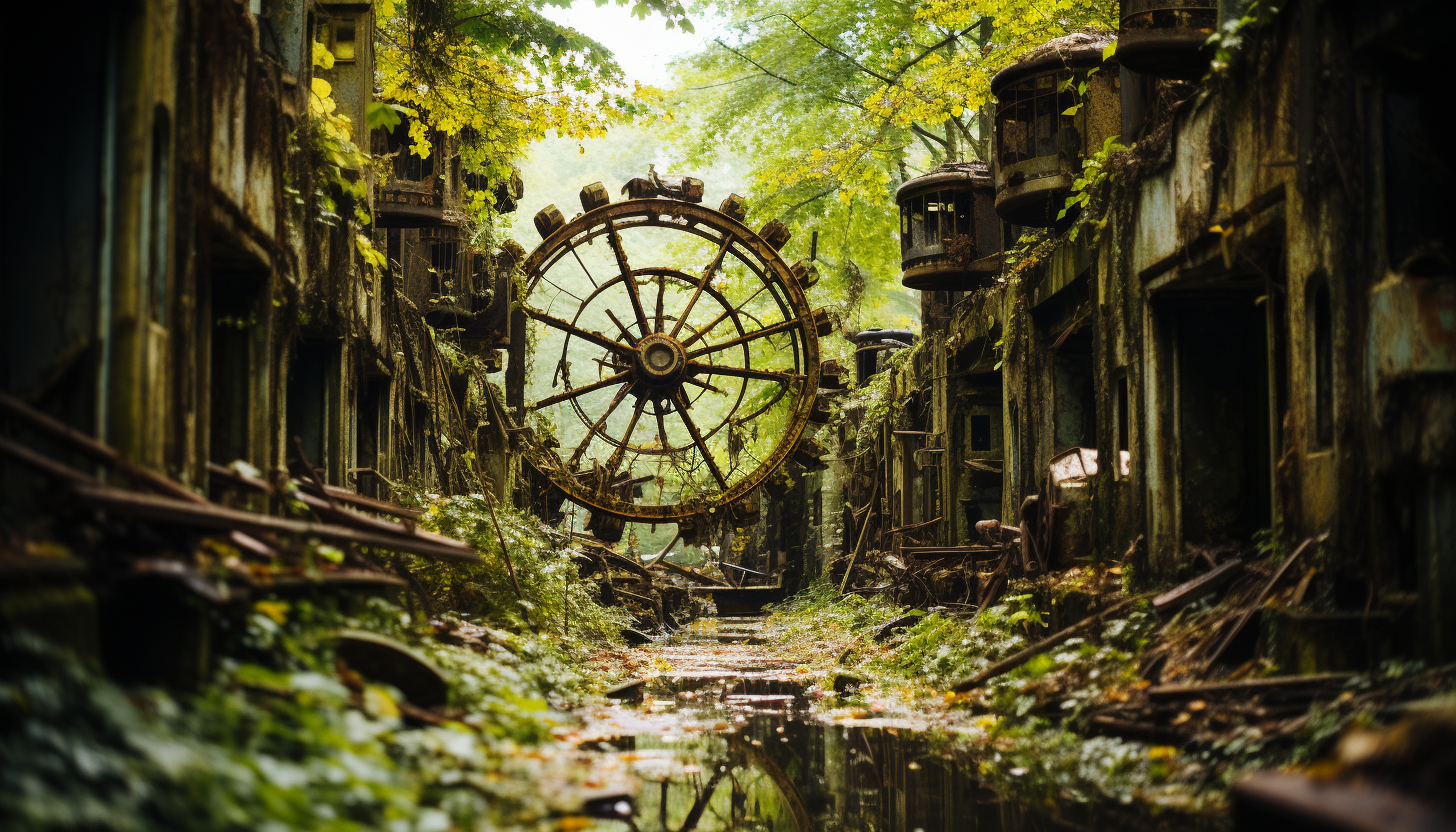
743,372
626,268
702,282
682,411
622,329
705,385
709,328
661,426
585,335
745,338
584,269
596,428
702,333
661,290
619,378
615,460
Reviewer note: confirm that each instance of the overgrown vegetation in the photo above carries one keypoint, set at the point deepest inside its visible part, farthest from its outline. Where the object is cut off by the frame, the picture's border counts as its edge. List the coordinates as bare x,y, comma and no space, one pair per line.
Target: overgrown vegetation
281,740
1028,730
283,737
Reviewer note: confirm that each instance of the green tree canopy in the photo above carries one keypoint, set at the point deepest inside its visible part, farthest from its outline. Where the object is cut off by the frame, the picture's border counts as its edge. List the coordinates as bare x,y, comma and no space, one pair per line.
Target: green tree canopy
839,103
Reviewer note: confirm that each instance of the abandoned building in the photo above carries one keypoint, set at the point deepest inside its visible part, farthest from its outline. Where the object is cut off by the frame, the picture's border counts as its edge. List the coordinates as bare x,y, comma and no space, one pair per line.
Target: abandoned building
1255,346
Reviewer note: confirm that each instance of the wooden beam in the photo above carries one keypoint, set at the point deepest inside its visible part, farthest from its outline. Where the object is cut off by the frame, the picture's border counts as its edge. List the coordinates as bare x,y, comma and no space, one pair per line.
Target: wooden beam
211,516
1190,591
1020,657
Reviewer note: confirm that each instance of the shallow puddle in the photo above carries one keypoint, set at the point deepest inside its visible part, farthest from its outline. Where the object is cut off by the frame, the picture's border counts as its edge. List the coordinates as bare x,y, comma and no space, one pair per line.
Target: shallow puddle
725,741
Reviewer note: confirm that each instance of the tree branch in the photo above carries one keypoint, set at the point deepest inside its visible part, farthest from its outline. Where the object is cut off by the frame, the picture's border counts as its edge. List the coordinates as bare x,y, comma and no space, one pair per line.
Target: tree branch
861,67
777,77
929,135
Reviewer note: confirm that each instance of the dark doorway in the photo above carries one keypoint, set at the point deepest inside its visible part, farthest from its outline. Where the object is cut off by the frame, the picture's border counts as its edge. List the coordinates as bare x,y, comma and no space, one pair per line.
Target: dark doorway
1223,418
981,453
371,438
1075,422
313,414
238,335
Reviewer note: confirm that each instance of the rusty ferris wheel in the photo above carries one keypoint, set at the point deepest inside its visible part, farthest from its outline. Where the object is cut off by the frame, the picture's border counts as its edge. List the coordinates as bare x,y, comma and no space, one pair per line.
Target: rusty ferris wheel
676,358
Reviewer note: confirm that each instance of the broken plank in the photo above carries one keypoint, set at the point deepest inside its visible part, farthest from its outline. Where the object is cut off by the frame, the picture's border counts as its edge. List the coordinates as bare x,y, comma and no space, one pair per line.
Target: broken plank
1128,729
344,495
1017,659
1275,800
695,577
1258,601
327,511
1199,587
1289,685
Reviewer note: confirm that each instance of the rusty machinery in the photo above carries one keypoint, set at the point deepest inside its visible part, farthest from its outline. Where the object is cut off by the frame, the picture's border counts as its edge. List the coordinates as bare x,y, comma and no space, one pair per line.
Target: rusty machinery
675,358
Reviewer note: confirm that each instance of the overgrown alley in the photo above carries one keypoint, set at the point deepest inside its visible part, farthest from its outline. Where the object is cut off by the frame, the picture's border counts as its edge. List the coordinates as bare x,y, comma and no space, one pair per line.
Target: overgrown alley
1004,415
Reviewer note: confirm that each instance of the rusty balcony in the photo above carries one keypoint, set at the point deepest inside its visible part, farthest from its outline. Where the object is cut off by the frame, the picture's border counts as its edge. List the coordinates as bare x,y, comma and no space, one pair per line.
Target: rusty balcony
418,193
950,236
1052,109
1166,40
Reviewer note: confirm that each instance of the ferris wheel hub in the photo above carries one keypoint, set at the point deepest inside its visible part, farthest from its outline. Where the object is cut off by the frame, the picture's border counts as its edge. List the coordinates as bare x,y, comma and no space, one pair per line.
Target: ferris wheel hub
661,361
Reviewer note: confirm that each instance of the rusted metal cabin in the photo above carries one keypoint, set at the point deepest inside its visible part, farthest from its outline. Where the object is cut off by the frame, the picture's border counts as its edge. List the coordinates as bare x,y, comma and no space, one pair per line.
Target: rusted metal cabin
1053,109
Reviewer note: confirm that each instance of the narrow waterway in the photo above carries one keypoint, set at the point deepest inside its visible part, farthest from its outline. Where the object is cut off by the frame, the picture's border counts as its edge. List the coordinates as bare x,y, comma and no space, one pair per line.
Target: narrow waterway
724,738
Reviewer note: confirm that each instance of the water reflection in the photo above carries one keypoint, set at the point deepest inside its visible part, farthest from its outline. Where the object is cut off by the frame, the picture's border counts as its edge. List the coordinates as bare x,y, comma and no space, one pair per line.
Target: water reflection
785,775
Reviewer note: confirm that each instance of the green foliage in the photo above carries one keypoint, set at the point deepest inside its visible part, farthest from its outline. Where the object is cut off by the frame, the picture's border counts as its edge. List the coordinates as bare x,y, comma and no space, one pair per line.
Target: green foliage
498,75
1228,41
873,401
1270,544
552,598
837,104
277,741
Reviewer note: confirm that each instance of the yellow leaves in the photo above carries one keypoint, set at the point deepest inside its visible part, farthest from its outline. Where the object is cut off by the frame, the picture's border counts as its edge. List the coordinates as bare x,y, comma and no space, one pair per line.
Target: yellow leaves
320,103
419,139
378,704
372,256
322,57
1162,752
275,610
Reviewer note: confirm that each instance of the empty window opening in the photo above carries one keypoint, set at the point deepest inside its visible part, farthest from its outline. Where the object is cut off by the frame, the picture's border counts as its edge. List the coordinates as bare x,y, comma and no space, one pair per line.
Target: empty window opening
313,411
443,255
981,432
344,41
235,301
1324,365
408,166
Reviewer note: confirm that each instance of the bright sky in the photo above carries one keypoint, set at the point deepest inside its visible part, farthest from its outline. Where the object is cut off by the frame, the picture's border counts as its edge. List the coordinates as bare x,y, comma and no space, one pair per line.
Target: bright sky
642,47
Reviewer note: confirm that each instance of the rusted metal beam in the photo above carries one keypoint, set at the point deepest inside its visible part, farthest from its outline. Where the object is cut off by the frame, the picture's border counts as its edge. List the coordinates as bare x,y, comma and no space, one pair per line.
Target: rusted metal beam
618,378
1302,686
